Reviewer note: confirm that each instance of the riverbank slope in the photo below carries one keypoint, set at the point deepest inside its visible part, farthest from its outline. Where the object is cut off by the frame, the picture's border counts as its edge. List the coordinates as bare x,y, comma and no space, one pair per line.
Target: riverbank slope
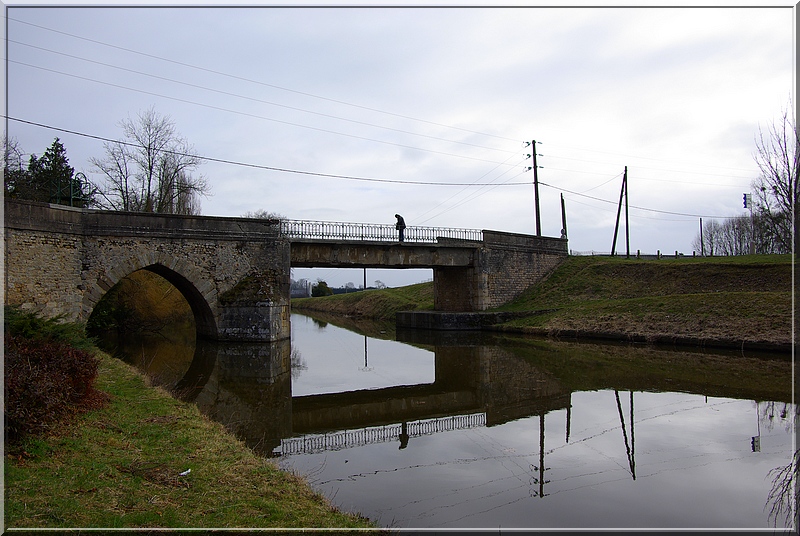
709,300
147,460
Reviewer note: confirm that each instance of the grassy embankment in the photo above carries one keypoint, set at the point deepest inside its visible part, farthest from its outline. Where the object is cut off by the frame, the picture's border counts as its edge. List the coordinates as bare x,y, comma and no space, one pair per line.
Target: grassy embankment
125,465
707,299
376,304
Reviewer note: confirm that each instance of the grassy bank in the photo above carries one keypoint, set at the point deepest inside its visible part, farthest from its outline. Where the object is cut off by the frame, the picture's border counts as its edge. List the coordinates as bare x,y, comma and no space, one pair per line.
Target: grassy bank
377,304
126,466
744,298
720,298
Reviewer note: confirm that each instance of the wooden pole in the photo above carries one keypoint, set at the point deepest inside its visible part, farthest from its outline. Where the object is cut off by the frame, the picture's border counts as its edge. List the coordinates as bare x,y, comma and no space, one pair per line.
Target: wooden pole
702,245
627,226
619,211
536,189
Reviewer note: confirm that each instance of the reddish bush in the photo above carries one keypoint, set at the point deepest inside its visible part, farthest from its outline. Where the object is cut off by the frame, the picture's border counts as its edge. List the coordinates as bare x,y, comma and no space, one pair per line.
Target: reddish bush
44,382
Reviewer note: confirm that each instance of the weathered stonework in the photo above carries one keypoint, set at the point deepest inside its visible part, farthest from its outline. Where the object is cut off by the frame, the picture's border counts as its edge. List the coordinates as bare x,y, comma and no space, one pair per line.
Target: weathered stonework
234,272
514,262
61,261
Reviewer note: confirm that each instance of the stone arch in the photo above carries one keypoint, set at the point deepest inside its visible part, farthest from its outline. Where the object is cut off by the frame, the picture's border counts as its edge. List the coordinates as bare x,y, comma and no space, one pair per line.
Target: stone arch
190,282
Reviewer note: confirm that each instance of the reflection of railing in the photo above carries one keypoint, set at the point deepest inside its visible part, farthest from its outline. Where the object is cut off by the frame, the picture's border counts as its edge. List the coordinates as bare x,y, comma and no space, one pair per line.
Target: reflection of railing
326,230
345,439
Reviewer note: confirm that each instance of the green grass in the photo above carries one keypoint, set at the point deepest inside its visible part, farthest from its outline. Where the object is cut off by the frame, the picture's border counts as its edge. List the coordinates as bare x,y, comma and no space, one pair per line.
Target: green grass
733,298
378,304
745,298
120,467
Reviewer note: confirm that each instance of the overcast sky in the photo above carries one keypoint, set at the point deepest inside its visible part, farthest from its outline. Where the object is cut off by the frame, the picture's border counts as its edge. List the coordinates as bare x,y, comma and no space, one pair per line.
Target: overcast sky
436,95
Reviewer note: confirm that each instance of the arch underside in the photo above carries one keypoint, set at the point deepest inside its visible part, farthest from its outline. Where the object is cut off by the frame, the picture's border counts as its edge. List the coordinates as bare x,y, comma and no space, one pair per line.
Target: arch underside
205,324
199,302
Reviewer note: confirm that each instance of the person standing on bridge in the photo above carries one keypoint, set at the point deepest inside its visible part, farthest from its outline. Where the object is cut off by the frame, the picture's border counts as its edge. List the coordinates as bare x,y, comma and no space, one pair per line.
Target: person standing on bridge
400,226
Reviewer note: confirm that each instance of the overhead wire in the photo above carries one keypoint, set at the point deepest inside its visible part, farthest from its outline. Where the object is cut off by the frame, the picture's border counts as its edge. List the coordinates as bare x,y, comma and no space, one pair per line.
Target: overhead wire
259,166
265,84
220,73
349,177
246,114
465,185
461,191
253,99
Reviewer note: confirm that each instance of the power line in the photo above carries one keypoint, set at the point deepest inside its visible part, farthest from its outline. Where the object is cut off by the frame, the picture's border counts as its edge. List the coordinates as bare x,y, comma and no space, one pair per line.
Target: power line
246,114
230,94
671,160
228,75
268,168
477,194
654,168
348,177
634,206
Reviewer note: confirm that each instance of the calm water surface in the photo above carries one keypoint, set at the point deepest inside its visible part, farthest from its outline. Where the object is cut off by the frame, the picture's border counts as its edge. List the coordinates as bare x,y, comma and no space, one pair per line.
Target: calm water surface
447,431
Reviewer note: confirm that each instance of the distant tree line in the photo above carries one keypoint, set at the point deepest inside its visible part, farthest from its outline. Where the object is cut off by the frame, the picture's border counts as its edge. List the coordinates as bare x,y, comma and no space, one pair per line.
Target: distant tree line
773,225
740,235
321,288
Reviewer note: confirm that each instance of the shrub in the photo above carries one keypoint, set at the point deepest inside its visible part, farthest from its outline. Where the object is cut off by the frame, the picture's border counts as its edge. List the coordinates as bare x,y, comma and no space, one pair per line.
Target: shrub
30,325
46,377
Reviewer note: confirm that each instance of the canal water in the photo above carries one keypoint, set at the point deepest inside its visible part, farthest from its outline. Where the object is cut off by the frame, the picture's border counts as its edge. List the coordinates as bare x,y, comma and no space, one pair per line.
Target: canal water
446,430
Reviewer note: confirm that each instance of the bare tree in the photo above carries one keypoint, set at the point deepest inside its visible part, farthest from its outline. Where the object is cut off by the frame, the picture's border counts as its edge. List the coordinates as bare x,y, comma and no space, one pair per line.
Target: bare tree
735,235
263,214
150,170
13,165
776,189
710,241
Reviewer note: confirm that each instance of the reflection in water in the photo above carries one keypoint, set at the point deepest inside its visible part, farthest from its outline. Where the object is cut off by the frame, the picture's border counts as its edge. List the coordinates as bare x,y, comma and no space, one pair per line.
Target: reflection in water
465,430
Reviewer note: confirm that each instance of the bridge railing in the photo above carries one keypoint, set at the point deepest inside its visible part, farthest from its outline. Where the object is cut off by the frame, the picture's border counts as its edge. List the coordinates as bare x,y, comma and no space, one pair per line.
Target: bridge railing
345,439
326,230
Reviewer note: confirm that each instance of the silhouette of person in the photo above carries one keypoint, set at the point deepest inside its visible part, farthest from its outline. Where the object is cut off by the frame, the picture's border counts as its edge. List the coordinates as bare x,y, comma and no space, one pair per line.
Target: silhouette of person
400,226
404,436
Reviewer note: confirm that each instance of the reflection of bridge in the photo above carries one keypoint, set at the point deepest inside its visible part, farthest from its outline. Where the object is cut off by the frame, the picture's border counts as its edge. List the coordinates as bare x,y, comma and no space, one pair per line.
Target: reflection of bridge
345,439
234,272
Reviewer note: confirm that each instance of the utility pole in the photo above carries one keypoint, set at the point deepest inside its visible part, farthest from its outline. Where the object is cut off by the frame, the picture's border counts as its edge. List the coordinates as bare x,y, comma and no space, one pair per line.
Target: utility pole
627,225
622,192
563,218
748,203
536,189
702,243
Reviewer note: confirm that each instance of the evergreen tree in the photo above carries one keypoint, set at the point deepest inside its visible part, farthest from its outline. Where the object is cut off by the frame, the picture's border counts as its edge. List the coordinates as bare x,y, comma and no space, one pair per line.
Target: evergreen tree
49,179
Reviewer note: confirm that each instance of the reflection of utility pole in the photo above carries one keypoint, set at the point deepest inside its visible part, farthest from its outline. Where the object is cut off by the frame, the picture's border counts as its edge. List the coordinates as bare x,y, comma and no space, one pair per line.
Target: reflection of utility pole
366,365
541,481
755,442
629,449
569,413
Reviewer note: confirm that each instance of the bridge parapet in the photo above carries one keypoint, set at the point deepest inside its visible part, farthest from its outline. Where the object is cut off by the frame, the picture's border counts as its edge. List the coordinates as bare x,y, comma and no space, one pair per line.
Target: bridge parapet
372,232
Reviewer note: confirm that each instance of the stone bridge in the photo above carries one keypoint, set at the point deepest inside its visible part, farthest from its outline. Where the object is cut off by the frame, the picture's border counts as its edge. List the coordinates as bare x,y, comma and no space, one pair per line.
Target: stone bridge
234,272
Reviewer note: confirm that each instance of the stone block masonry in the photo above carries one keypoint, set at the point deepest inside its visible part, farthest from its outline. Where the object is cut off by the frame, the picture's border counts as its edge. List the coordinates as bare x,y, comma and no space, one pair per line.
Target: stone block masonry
514,262
234,272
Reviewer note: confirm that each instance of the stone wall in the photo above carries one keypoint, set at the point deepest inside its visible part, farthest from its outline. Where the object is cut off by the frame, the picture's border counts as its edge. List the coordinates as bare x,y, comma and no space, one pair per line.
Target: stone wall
234,272
513,262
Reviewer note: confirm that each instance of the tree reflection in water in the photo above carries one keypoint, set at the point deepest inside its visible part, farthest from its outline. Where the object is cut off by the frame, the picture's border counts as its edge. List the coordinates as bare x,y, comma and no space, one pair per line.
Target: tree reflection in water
784,496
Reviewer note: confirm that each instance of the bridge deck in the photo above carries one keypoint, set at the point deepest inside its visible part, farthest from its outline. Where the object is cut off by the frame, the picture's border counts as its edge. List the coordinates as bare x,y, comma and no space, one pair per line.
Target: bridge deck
372,232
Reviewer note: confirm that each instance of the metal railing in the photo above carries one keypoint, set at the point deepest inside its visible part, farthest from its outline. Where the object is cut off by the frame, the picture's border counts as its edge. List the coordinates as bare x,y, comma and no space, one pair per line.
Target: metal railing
345,439
327,230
